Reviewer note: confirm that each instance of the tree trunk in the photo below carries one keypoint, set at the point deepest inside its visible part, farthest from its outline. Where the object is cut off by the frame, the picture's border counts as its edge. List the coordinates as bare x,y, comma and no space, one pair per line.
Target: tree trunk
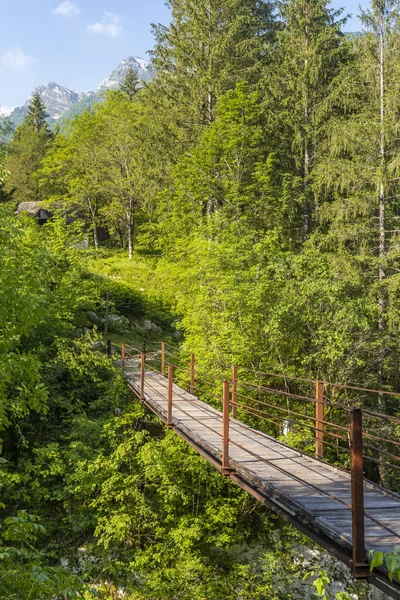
130,241
307,208
130,226
382,192
95,237
383,471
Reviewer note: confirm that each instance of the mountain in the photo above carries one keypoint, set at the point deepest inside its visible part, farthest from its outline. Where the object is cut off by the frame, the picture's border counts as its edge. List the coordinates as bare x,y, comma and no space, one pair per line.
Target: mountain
5,111
58,100
113,82
63,104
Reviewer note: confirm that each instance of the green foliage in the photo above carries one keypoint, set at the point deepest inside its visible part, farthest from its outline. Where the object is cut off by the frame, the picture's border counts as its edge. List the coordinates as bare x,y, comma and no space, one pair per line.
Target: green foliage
92,169
130,85
321,584
36,115
263,183
23,570
25,154
389,560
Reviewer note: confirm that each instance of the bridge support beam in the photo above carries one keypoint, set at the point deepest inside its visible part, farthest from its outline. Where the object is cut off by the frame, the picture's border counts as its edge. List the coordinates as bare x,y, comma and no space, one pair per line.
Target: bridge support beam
226,468
360,565
192,374
234,391
163,358
142,364
169,407
319,417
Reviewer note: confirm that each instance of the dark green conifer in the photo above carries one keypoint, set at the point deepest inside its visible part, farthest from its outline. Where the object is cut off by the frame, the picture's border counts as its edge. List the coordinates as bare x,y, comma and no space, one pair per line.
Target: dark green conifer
130,84
37,114
310,52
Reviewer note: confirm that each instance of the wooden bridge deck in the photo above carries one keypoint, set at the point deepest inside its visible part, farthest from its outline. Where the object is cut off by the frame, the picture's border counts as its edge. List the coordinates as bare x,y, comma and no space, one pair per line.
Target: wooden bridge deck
312,495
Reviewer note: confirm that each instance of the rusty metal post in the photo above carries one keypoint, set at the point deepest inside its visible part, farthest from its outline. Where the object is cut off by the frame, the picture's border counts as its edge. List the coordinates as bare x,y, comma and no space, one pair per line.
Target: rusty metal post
142,363
192,374
319,417
123,358
359,564
163,358
170,383
234,391
225,429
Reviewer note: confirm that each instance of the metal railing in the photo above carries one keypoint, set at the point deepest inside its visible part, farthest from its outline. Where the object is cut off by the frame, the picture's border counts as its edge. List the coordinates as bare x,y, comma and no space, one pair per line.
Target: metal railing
341,429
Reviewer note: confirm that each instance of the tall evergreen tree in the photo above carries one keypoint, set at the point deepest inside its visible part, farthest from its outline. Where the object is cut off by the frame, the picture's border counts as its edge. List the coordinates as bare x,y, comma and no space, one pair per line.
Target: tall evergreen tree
381,19
310,53
36,116
360,175
209,46
130,84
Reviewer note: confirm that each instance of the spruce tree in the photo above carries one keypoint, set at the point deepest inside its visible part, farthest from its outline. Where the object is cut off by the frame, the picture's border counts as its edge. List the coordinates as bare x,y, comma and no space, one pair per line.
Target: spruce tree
36,116
310,53
209,46
360,177
130,84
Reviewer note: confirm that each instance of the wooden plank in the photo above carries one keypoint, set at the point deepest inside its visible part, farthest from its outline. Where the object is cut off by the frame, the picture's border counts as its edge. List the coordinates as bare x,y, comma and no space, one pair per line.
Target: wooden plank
313,492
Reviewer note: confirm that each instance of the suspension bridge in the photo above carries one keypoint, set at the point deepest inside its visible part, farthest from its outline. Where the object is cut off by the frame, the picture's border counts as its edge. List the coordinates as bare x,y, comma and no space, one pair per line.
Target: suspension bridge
324,456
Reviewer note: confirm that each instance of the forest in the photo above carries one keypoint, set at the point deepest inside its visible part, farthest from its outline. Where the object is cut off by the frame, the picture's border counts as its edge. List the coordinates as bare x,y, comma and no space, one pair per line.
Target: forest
250,195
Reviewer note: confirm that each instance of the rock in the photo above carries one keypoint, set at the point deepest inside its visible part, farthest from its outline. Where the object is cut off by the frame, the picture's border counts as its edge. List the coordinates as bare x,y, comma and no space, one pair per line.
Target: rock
155,328
118,323
147,325
93,317
177,335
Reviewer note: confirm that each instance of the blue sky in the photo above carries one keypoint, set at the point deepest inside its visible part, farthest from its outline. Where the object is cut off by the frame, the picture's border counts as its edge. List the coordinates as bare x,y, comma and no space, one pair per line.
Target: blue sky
77,43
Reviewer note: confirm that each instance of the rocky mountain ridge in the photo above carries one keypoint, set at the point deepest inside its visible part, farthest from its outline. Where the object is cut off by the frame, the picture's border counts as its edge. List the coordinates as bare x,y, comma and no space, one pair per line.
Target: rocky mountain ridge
116,77
63,103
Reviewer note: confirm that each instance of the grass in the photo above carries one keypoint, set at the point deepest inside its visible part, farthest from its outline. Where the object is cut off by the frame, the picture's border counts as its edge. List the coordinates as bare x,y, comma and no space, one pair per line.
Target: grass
138,273
141,276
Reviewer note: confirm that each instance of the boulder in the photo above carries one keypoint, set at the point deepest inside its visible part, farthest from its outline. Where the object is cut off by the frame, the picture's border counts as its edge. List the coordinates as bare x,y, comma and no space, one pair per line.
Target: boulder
118,323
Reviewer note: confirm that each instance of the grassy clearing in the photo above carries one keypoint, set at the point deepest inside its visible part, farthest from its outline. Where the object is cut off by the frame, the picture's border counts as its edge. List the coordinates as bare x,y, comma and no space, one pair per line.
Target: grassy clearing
141,277
139,273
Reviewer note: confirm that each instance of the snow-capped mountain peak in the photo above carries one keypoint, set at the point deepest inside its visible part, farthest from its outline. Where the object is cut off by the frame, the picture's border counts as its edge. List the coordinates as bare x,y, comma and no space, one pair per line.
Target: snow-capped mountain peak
63,102
114,80
5,111
58,99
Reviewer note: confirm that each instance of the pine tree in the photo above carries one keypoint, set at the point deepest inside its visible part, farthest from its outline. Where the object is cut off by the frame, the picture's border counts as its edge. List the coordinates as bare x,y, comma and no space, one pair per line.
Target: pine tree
207,49
36,116
130,84
382,20
360,177
310,53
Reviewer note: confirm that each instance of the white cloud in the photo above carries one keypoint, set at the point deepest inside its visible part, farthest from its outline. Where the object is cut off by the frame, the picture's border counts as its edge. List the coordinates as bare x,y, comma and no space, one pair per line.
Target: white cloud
110,25
16,59
67,9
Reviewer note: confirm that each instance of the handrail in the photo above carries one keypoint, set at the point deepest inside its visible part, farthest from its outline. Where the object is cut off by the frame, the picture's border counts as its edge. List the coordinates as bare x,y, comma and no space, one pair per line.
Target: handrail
352,436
